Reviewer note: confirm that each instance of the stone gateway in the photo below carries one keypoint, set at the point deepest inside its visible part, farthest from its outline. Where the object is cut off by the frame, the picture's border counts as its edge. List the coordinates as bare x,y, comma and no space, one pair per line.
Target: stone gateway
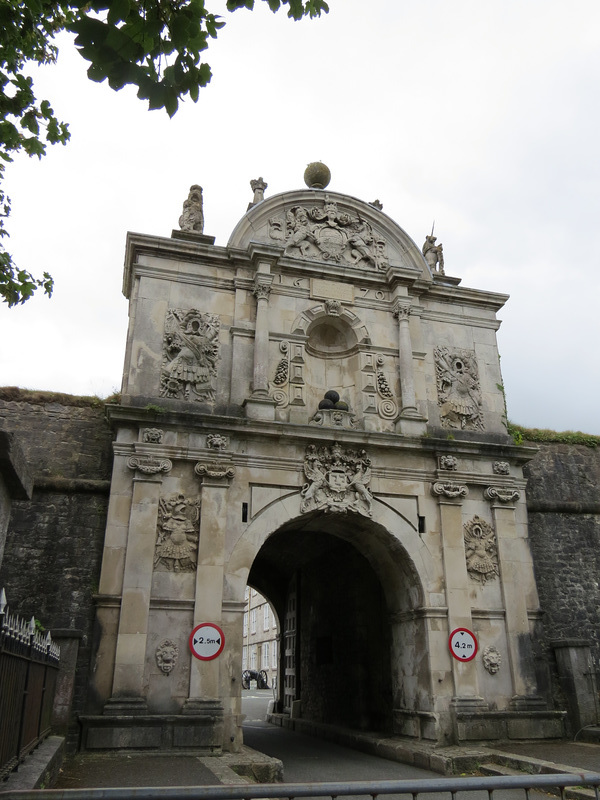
315,409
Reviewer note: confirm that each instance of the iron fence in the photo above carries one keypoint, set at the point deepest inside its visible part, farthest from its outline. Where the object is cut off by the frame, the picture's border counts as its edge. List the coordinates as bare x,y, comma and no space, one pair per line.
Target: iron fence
28,670
468,788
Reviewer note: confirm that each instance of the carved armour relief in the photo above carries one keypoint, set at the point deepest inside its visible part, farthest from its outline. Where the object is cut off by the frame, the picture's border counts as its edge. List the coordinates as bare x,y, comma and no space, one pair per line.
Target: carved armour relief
329,234
337,480
481,550
190,354
177,534
459,393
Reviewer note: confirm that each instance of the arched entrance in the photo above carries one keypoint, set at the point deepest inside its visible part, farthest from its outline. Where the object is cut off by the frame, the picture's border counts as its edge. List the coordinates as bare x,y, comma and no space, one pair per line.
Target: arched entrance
345,592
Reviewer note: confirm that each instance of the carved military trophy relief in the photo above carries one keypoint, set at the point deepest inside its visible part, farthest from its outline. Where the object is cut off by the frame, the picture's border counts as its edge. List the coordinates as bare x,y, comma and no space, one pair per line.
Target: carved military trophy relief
190,354
177,534
481,550
459,392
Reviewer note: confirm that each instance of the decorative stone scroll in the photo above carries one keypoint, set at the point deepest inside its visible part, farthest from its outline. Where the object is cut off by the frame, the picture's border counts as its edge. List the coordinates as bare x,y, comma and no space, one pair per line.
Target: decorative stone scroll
337,481
167,655
326,233
453,491
152,436
177,534
149,465
501,494
459,392
448,463
190,354
481,550
492,659
215,469
387,406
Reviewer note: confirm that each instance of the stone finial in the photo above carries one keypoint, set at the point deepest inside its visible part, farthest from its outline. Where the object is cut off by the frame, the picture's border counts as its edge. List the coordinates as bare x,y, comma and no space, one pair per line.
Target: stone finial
377,204
258,186
317,175
192,216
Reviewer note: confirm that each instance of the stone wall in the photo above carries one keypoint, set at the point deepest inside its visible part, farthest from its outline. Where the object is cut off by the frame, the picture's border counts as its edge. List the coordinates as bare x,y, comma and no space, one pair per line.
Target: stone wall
54,542
563,500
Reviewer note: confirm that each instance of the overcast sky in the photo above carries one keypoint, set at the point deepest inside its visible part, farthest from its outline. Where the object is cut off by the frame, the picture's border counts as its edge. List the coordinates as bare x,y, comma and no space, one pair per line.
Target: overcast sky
480,114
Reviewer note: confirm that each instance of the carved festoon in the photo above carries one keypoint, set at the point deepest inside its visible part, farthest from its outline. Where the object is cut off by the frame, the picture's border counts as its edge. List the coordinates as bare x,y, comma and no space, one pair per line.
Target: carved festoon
492,659
337,480
152,436
325,232
149,465
448,462
216,441
459,393
177,534
192,216
190,354
167,654
434,254
481,550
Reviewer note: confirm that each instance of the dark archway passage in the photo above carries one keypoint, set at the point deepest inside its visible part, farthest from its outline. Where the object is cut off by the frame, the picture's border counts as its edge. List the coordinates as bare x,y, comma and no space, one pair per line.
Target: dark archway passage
335,638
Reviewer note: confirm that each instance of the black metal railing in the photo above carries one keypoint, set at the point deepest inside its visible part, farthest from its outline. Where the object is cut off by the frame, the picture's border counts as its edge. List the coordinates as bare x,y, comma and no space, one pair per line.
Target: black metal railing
519,787
28,669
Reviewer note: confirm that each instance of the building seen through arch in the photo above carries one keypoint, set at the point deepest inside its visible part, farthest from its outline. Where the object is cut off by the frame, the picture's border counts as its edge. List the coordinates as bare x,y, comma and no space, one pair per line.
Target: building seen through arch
314,410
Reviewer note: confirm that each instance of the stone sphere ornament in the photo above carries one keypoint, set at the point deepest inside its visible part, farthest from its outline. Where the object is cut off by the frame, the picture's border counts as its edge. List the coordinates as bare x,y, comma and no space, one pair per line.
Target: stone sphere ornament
332,395
317,175
326,403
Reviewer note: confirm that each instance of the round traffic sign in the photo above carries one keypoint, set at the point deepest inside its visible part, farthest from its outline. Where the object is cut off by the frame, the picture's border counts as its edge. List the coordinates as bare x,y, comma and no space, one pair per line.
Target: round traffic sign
206,641
463,644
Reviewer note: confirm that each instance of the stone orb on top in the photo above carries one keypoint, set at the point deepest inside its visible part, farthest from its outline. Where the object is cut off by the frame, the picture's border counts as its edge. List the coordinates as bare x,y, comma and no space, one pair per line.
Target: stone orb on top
317,175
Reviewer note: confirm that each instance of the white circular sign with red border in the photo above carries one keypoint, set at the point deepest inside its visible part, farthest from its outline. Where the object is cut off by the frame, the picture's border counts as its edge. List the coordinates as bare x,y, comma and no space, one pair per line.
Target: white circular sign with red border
463,644
206,641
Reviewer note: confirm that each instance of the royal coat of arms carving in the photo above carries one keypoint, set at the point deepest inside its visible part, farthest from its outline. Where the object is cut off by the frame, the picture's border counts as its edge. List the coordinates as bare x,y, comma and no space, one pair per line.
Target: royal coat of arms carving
337,480
190,354
330,234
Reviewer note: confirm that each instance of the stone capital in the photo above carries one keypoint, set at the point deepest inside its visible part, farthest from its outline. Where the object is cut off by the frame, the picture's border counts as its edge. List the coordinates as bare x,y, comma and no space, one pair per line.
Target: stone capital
452,491
149,465
262,287
501,494
215,469
401,310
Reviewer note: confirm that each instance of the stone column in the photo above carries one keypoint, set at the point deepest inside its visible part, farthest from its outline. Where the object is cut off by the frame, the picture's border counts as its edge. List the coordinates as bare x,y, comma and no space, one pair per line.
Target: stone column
128,681
450,496
409,413
259,405
518,585
204,692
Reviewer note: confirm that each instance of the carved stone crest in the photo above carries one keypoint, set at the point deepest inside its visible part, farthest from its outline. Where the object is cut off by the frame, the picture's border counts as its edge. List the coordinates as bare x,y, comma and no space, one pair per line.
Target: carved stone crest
177,534
337,480
190,354
481,550
459,393
329,234
492,659
167,654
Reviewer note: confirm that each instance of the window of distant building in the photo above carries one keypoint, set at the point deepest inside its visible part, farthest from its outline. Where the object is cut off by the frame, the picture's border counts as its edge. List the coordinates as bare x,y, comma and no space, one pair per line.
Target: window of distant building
253,657
253,621
265,656
273,620
245,623
266,611
274,655
244,658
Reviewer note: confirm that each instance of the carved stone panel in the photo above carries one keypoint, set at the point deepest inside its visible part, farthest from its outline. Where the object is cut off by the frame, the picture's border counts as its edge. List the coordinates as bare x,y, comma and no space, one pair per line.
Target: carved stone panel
190,354
481,550
337,480
177,534
325,232
459,392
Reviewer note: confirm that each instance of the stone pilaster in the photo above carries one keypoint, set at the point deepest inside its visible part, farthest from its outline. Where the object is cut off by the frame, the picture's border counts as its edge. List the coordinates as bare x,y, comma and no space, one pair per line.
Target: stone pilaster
517,583
410,420
259,405
128,679
450,496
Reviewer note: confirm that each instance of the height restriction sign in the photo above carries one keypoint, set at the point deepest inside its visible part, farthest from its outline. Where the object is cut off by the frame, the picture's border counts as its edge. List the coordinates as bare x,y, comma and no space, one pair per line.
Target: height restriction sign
207,641
463,644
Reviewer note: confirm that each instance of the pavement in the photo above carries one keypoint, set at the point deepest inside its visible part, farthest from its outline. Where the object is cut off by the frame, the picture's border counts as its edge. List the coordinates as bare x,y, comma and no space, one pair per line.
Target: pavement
47,767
